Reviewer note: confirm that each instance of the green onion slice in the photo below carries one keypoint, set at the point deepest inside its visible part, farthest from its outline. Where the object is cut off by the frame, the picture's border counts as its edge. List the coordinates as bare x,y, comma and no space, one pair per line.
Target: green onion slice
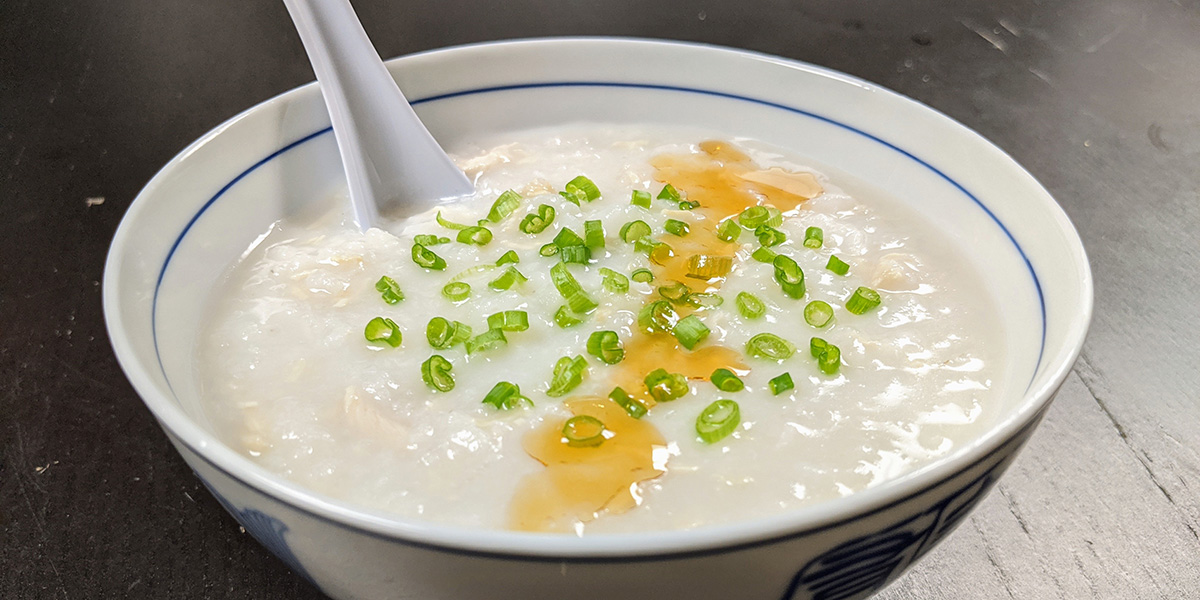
764,255
709,266
548,249
633,406
568,374
718,420
756,216
664,386
814,237
435,372
449,224
726,381
729,230
426,239
676,227
640,198
830,359
566,237
790,276
580,189
577,300
425,258
565,318
657,316
504,206
593,234
389,290
505,396
634,231
508,257
817,346
444,334
614,282
474,235
456,291
575,254
769,236
836,265
509,320
642,275
383,330
781,384
537,222
818,313
488,340
606,346
658,252
583,431
690,331
669,193
688,204
769,345
862,300
750,306
507,279
704,300
676,292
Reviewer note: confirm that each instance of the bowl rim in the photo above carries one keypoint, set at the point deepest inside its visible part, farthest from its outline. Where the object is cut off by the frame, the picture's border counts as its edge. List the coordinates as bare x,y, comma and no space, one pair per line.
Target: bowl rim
659,545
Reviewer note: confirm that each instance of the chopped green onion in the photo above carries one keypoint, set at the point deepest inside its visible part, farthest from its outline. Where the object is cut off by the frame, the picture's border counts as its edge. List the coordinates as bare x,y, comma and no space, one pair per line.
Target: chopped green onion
726,381
688,204
818,313
669,193
814,237
548,249
764,255
750,306
507,279
634,231
509,320
488,340
593,234
456,291
769,345
508,257
474,235
862,300
504,206
817,346
640,198
565,237
613,281
642,275
577,300
790,276
472,271
424,257
729,230
836,265
658,252
657,316
580,189
435,372
568,374
674,291
449,224
426,239
781,384
718,420
769,236
830,359
505,395
708,266
704,300
575,254
690,331
565,318
633,406
583,431
535,223
443,334
606,346
383,329
389,289
753,217
676,227
664,386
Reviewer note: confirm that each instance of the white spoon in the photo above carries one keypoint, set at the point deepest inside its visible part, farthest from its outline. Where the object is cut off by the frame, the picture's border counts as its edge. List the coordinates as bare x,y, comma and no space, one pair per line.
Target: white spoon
393,165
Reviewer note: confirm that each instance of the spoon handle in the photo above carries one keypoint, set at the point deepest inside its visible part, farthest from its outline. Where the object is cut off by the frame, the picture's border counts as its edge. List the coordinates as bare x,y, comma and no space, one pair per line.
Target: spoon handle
392,163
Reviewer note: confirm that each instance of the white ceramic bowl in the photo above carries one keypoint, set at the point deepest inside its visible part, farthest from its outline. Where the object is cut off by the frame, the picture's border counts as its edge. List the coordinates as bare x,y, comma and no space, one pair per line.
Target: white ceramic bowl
209,203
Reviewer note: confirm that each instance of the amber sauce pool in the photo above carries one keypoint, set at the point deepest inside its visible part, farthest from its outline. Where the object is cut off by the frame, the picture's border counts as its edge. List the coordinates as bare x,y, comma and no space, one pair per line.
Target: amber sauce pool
579,484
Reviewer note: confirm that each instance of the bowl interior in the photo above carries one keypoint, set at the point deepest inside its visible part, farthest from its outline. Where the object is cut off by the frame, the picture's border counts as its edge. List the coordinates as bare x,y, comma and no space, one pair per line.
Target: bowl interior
211,203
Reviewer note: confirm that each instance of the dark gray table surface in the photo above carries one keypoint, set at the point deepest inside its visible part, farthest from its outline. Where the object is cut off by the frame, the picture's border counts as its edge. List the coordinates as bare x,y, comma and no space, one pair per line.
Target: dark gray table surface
1100,99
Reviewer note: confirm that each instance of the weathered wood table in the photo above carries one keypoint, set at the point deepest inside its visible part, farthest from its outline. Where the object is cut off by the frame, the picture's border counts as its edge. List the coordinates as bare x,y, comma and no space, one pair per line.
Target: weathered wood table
1100,99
